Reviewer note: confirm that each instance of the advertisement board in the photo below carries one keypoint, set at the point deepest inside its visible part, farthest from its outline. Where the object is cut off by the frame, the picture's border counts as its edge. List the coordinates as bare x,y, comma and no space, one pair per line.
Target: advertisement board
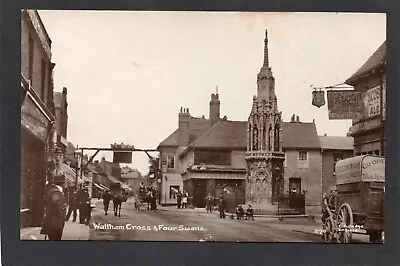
373,169
372,102
345,104
364,168
122,157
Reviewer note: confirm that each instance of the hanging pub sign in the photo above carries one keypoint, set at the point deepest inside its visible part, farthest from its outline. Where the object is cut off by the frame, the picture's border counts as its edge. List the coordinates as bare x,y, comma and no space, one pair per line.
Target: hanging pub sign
318,98
345,104
122,157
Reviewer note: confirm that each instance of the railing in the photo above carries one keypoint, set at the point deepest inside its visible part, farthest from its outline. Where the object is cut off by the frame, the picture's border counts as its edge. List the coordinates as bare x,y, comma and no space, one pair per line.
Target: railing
291,204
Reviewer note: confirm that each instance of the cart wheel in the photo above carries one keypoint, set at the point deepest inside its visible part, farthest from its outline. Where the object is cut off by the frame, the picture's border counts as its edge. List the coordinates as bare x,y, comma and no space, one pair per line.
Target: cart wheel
345,223
327,233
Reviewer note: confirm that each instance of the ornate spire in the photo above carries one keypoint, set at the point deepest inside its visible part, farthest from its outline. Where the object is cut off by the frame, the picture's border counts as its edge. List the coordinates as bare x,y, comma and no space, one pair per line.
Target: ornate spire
266,61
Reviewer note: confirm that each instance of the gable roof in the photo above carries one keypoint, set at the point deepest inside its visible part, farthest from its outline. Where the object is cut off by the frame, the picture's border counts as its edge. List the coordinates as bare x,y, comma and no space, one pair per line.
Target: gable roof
197,126
224,134
374,61
300,135
336,143
171,140
233,134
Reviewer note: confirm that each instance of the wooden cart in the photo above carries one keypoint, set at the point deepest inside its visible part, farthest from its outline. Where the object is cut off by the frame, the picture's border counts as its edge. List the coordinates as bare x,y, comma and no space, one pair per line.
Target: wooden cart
357,204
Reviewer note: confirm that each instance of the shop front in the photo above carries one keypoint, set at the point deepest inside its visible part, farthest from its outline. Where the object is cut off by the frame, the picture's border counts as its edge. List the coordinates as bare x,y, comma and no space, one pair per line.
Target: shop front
36,151
216,182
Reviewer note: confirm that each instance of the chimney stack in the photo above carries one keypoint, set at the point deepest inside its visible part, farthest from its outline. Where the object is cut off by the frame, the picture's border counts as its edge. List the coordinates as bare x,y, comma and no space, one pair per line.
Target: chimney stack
214,108
183,123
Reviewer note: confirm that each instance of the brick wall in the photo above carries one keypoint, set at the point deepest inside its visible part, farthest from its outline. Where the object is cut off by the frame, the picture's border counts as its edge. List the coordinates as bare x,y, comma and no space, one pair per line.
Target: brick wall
39,54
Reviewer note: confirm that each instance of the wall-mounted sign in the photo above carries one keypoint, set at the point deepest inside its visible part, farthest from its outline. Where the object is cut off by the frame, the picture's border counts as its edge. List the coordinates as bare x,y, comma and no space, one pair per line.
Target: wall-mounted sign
33,119
372,102
345,104
365,125
384,98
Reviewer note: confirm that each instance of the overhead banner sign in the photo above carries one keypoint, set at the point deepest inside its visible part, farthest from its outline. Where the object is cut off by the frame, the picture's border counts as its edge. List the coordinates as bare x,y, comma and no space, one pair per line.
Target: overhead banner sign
345,104
122,157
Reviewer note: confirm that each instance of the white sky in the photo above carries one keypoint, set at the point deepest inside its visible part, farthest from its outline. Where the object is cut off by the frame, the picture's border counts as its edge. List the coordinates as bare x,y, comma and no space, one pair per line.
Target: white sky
128,73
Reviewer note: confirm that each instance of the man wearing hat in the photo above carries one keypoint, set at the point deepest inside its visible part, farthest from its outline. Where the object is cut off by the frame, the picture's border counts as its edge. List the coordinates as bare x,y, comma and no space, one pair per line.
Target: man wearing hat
84,204
54,220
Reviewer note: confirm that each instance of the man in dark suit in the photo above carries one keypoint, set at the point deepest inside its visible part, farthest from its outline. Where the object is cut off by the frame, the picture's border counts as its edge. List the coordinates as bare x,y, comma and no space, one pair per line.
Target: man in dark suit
221,206
106,200
84,205
54,220
72,204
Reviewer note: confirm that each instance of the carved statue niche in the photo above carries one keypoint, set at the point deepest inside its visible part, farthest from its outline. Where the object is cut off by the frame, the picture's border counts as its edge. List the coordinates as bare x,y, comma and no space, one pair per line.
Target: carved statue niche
276,137
255,138
269,137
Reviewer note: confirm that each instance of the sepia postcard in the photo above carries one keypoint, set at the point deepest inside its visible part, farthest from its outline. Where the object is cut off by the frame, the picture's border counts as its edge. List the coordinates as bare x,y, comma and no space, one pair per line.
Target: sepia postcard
203,126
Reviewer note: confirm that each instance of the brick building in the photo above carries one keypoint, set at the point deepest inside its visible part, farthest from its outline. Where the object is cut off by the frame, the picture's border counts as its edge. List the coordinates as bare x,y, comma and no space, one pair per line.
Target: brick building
37,116
333,149
369,131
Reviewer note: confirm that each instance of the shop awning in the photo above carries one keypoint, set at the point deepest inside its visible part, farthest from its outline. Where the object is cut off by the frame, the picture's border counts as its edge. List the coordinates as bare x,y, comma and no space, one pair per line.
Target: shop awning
113,179
98,186
70,174
103,186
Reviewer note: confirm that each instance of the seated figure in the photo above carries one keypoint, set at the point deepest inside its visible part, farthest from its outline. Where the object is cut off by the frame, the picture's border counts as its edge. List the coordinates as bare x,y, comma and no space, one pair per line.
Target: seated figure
239,212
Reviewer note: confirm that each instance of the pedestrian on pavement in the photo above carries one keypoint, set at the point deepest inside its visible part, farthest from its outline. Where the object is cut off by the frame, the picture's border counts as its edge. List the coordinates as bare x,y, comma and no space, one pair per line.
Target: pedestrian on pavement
179,199
72,204
209,202
54,219
83,204
185,200
221,207
249,213
106,200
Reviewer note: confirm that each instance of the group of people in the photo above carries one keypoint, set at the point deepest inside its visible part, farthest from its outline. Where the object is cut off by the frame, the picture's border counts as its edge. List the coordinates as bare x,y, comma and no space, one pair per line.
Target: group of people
57,198
240,213
78,199
182,200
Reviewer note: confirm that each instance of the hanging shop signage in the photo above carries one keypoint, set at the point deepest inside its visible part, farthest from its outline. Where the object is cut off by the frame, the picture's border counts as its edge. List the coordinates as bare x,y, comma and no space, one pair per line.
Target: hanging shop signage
345,104
318,98
33,119
372,102
122,157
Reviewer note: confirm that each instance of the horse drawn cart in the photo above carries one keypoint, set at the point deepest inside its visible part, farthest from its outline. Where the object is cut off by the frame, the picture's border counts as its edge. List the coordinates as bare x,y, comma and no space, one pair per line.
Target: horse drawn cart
357,205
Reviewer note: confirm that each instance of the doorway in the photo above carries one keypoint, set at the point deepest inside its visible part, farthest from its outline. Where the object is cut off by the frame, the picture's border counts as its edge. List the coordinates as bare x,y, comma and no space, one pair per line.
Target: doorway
199,193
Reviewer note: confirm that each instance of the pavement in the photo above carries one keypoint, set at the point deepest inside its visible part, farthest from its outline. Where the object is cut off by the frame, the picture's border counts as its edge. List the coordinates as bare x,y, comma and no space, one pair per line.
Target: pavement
72,230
